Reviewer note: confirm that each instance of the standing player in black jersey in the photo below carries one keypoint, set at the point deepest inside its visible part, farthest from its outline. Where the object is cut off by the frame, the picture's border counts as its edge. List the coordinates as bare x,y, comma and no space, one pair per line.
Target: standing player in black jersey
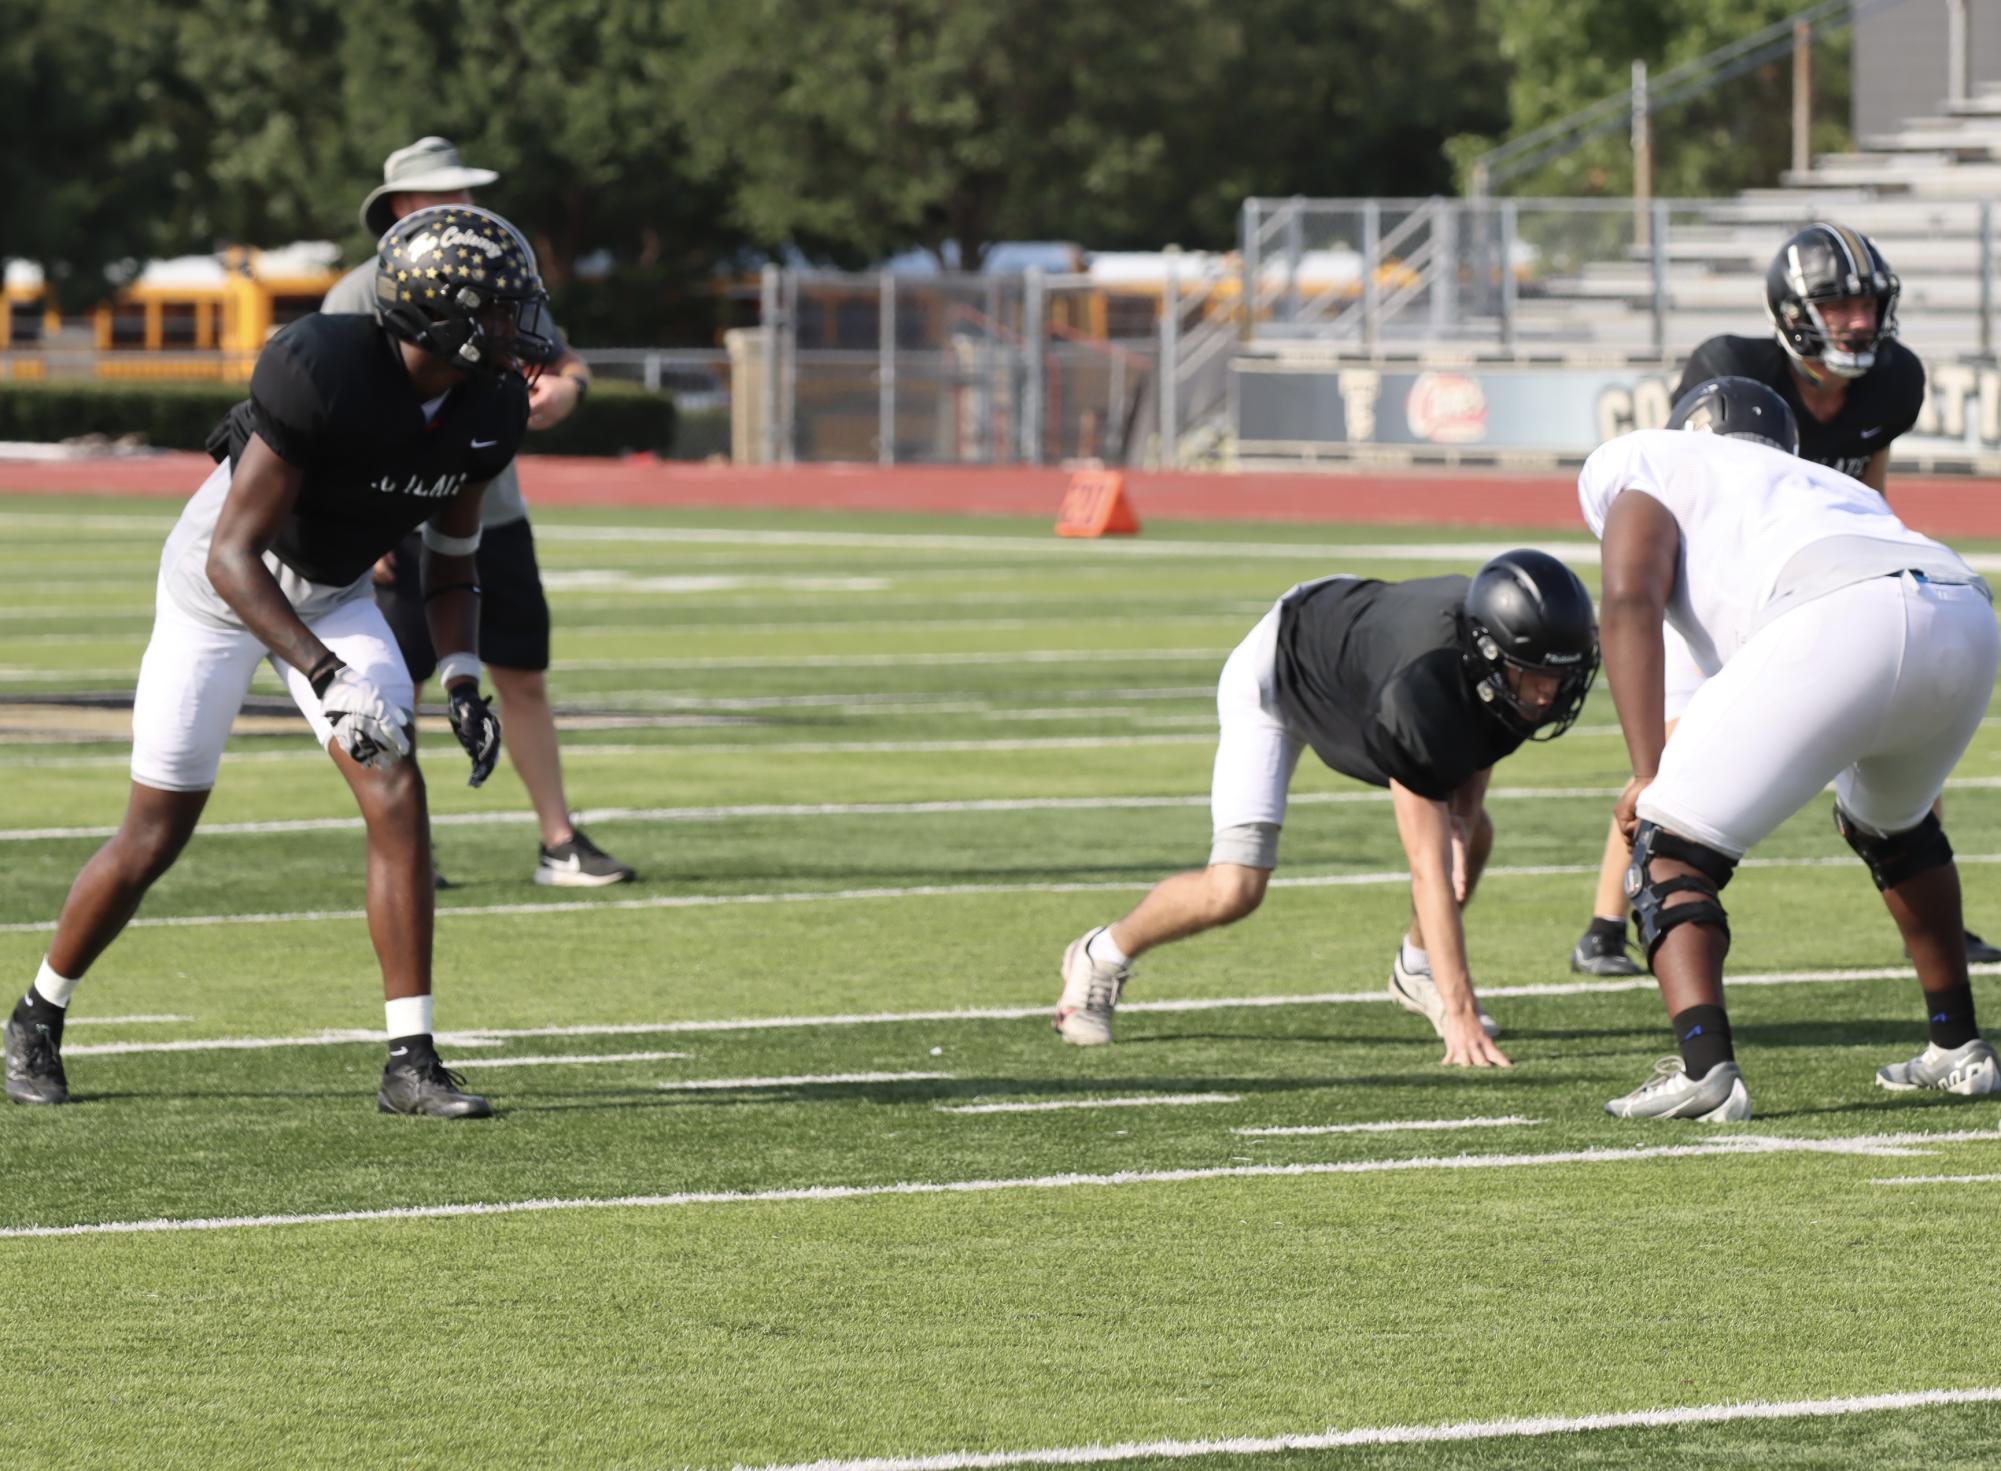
356,430
1834,358
1416,686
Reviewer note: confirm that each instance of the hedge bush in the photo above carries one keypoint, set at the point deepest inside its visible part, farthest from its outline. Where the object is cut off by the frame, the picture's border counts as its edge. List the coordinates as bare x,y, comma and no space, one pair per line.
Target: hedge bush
617,418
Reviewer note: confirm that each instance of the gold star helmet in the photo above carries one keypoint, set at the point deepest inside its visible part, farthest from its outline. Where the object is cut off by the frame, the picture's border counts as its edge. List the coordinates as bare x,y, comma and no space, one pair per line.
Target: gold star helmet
460,282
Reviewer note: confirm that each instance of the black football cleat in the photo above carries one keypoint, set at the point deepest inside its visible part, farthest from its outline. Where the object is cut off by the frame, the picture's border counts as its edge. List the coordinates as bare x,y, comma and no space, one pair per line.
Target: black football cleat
1597,954
34,1064
1979,952
424,1085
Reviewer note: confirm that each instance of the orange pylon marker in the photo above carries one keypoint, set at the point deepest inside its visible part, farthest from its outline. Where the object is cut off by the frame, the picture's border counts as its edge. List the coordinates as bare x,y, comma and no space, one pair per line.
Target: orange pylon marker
1096,504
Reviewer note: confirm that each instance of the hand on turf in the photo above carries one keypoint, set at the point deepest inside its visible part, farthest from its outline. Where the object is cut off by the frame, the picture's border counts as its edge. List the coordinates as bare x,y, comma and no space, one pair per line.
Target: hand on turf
477,728
365,725
1467,1043
1626,811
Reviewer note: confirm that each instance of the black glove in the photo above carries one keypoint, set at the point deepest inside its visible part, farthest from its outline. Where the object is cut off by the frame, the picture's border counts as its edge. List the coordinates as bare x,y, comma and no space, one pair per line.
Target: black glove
477,728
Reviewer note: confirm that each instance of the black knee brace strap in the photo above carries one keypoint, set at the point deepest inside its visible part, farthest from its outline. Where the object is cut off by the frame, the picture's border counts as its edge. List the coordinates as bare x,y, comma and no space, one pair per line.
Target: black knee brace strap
1896,857
1648,895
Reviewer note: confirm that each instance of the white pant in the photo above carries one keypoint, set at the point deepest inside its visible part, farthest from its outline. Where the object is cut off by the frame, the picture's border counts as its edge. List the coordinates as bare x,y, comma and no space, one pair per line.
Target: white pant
1877,687
194,678
1255,754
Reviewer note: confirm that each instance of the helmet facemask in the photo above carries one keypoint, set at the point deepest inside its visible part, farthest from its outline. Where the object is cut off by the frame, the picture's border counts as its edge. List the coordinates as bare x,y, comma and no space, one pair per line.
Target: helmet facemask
1818,267
1500,679
460,282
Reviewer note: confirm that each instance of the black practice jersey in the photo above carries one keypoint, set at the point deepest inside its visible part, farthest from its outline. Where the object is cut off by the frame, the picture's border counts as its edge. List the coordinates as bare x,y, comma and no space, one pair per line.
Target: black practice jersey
331,396
1880,405
1370,673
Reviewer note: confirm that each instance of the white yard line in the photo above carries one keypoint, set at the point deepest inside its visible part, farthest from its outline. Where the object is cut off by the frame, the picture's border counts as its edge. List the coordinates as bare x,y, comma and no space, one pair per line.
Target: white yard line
916,891
1710,1147
581,1059
797,1080
142,1019
1390,1126
1357,797
1150,1100
1938,1180
498,1036
1512,1428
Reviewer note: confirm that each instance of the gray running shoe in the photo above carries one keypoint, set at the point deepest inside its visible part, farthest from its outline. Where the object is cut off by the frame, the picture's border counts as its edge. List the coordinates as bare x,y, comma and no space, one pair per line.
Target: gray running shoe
1090,994
1968,1070
34,1067
1416,991
580,864
424,1085
1718,1098
1598,955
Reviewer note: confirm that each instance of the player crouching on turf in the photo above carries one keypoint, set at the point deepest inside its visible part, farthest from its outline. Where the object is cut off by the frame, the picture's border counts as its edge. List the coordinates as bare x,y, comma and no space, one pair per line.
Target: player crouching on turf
1416,686
1839,646
356,430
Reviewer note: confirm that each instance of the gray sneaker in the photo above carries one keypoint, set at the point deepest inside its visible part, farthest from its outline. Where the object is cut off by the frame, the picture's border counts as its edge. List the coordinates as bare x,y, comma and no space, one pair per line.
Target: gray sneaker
1090,994
1718,1098
1416,991
34,1067
1968,1070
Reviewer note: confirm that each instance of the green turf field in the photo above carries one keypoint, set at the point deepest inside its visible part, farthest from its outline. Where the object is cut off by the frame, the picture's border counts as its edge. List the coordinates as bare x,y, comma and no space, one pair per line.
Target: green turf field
788,1164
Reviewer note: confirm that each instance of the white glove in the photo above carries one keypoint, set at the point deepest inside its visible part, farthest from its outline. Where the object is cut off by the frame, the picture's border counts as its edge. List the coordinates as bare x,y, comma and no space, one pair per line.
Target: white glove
368,728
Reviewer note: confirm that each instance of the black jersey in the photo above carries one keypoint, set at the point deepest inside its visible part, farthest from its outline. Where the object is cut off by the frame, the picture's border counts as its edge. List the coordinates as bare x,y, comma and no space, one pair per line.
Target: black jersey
331,396
1881,404
1370,674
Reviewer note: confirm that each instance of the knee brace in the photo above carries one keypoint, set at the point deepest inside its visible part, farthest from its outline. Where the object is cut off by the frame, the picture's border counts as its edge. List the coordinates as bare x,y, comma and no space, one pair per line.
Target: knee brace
1894,858
1648,895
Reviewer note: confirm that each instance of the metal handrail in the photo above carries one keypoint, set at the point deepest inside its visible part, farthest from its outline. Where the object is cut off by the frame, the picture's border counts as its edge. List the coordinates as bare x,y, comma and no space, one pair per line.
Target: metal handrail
1678,84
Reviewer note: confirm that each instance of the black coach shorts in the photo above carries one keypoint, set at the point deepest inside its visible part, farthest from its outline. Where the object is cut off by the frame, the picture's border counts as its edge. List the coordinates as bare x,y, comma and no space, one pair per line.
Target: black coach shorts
513,613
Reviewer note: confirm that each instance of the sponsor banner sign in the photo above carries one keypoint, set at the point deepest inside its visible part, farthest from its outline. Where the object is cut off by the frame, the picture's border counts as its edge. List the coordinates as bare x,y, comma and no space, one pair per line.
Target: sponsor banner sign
1309,408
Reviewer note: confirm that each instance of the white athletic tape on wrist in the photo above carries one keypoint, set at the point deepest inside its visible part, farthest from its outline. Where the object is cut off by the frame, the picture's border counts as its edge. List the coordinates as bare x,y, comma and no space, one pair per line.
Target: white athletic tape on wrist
457,666
450,546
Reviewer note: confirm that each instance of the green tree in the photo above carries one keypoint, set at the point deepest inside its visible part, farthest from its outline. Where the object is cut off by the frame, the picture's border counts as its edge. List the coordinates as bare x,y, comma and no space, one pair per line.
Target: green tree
864,128
1564,55
99,141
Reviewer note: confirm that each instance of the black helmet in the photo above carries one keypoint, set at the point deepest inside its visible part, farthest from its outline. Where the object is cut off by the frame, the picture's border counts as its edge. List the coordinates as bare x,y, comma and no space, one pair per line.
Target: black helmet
1527,612
1829,263
1738,408
460,282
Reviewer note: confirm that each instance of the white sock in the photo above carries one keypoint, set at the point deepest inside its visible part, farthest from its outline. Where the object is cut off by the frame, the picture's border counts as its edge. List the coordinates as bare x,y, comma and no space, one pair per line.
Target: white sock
55,989
1414,958
1105,950
408,1016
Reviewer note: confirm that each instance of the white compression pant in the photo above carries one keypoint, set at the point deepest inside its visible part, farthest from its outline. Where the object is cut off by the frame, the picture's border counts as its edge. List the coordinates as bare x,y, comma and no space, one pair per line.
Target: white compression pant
1255,754
194,677
1877,687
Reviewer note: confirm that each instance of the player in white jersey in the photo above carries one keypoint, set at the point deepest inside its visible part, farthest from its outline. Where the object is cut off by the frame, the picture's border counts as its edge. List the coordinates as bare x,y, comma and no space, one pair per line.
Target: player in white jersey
1838,646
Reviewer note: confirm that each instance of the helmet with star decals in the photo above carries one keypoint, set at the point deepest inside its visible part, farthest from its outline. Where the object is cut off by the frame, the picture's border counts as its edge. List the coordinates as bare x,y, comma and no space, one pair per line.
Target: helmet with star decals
460,282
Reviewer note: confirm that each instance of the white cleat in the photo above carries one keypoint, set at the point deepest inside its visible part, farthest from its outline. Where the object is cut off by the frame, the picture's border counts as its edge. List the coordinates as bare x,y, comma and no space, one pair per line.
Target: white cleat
1718,1097
1416,991
1969,1070
1090,994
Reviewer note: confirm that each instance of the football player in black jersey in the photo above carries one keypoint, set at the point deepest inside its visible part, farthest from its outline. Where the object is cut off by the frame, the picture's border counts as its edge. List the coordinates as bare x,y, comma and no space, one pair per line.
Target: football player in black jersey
1419,687
1834,357
356,430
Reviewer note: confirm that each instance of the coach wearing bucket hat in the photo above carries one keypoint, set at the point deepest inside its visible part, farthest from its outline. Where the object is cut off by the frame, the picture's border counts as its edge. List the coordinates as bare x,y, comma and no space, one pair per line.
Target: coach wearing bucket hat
514,612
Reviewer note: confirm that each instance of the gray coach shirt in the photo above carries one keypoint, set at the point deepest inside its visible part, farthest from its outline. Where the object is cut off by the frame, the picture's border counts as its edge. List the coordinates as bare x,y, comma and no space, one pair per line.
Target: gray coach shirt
502,504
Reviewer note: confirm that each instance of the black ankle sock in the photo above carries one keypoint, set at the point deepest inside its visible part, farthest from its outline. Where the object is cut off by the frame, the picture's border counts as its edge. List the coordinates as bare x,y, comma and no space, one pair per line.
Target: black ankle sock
411,1050
1949,1014
36,1010
1703,1035
1608,929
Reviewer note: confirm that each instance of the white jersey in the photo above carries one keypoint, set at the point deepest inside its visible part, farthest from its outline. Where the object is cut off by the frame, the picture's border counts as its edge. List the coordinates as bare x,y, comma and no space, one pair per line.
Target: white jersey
1761,530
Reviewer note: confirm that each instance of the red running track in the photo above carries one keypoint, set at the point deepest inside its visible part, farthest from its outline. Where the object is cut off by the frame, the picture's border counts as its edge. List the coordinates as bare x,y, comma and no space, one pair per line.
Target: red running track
1942,506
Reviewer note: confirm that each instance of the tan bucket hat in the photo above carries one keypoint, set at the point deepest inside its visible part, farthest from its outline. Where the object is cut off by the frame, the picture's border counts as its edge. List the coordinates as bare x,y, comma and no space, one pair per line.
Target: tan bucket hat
428,166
